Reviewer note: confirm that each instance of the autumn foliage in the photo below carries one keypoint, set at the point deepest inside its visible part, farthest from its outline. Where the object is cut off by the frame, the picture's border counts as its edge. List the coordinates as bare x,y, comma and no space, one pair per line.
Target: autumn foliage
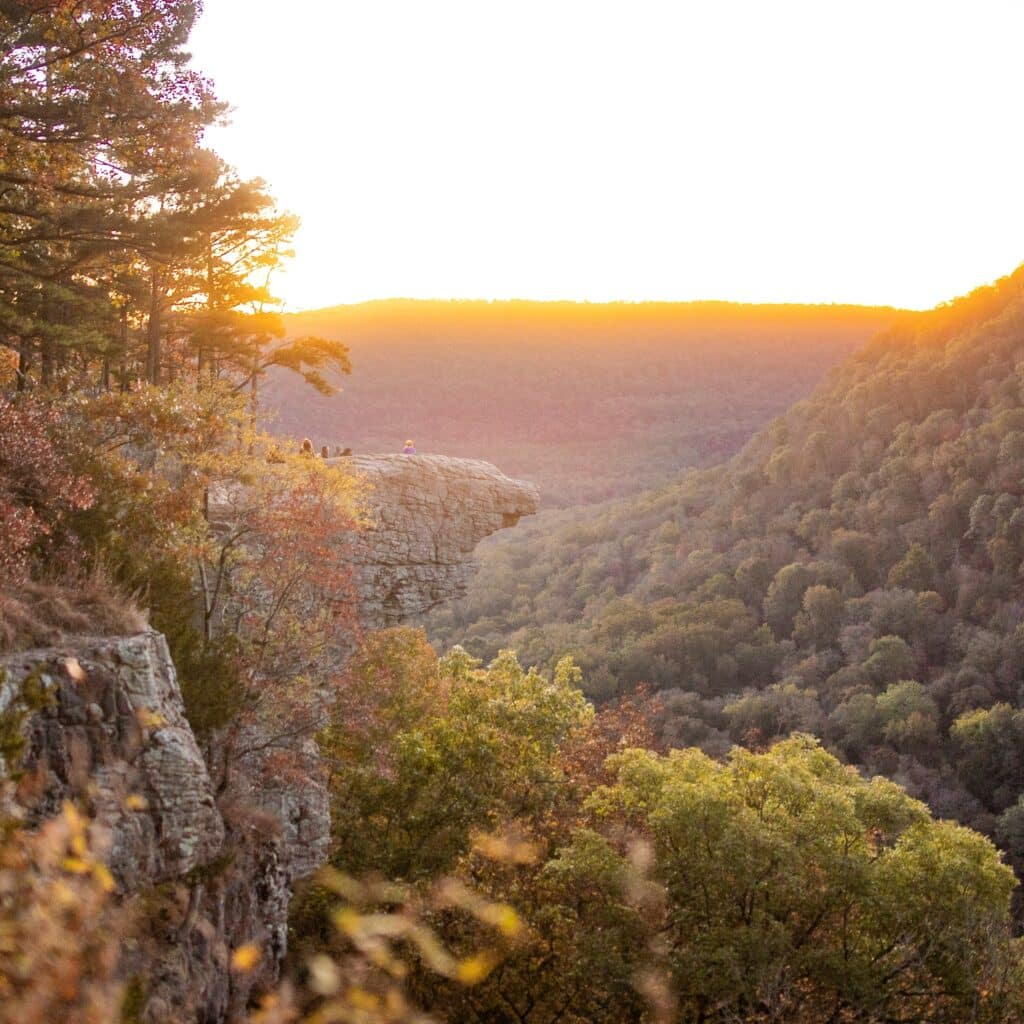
39,490
58,927
502,851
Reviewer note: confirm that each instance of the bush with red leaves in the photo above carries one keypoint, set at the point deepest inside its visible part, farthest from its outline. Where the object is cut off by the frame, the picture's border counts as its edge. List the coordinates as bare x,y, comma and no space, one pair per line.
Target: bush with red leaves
38,490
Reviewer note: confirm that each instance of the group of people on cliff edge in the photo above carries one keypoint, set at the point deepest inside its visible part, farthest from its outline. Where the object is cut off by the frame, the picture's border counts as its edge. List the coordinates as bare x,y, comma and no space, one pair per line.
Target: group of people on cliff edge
306,448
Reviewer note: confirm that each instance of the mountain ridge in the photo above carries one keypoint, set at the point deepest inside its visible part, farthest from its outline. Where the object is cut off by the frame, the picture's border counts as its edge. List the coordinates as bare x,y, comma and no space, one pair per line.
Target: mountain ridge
590,401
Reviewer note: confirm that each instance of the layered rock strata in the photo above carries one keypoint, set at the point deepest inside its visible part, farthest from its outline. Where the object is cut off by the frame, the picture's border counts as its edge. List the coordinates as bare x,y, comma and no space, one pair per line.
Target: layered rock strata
429,512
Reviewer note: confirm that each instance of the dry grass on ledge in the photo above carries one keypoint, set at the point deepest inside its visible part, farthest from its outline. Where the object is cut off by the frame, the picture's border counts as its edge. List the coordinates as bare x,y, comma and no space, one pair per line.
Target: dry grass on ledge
45,614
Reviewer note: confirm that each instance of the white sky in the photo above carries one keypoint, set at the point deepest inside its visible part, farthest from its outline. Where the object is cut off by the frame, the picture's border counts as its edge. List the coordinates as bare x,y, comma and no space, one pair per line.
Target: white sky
825,151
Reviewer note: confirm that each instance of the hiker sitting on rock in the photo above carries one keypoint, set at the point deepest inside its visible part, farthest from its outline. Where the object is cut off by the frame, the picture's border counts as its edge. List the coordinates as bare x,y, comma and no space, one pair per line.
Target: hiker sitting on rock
409,449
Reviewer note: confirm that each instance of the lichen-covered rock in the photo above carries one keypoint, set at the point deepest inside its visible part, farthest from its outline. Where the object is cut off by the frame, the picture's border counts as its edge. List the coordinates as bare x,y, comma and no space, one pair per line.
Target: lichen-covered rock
301,806
429,513
183,957
114,738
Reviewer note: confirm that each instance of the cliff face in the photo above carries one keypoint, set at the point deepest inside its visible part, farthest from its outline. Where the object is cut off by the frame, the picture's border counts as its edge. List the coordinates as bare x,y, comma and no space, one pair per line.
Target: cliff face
429,512
114,738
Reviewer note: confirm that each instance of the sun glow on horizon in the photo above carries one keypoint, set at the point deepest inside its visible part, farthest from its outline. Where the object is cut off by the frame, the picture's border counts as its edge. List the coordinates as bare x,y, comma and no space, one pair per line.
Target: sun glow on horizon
589,151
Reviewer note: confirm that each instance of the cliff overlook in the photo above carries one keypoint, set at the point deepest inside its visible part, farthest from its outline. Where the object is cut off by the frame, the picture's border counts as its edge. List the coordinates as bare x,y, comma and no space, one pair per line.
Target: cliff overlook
429,512
425,515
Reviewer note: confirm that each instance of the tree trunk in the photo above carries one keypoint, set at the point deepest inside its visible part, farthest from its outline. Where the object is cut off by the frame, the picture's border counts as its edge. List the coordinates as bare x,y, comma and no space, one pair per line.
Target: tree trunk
21,379
46,362
153,327
207,330
254,396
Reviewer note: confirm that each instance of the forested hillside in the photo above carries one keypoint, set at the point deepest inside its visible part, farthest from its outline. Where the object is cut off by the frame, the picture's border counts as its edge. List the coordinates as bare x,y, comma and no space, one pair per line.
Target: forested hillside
589,401
854,572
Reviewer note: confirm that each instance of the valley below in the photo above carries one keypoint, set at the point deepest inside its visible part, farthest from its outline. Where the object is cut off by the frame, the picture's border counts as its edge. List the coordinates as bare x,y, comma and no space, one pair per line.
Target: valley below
589,401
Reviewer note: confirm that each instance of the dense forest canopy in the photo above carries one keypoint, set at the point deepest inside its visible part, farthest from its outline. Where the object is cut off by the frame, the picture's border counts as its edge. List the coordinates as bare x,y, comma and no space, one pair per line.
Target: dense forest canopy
770,886
588,400
854,572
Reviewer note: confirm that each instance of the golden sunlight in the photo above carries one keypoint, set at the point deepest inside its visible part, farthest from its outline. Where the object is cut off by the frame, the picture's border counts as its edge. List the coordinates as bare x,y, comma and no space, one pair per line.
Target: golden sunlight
792,151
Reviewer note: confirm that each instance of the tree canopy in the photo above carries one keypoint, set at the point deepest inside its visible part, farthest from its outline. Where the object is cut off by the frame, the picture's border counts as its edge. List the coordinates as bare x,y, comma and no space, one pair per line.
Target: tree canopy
854,572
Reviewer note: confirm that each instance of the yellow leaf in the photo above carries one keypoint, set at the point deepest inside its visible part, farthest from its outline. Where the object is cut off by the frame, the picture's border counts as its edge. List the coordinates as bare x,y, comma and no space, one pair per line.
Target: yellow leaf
74,669
136,802
361,999
246,957
102,875
71,815
150,719
507,921
474,968
347,921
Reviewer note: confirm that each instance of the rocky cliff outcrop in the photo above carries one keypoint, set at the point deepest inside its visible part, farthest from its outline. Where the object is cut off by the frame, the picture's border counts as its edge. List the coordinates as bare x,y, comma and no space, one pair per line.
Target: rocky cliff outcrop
113,737
429,513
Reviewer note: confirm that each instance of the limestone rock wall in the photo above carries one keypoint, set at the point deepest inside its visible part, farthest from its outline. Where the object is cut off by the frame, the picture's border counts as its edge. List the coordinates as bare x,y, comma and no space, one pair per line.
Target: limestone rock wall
113,738
430,512
115,729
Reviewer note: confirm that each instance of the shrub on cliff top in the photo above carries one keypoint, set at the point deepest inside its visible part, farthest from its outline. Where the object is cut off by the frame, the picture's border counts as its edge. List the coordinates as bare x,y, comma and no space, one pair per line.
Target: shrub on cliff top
39,489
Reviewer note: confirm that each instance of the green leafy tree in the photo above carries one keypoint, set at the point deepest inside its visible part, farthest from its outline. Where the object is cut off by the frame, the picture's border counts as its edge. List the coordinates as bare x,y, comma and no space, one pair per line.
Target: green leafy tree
890,659
798,891
785,597
818,624
909,719
915,571
467,748
990,743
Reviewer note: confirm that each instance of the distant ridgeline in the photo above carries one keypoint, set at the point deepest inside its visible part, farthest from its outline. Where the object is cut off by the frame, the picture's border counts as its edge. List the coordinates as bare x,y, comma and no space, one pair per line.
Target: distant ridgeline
590,401
855,572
